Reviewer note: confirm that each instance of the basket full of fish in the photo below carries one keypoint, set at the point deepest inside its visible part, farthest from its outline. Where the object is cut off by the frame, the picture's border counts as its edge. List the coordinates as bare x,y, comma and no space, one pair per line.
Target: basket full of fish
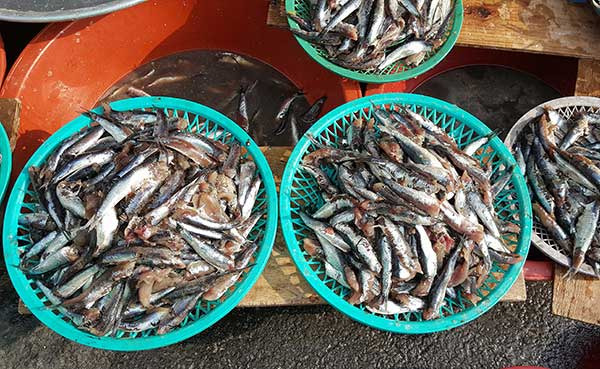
140,224
376,41
557,146
405,213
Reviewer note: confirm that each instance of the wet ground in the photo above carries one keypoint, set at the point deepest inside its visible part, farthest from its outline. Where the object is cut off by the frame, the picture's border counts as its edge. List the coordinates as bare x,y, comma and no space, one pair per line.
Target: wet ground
524,333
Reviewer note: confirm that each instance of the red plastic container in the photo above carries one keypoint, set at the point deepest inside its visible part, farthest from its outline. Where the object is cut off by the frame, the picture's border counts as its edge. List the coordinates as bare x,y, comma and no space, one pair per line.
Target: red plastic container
68,66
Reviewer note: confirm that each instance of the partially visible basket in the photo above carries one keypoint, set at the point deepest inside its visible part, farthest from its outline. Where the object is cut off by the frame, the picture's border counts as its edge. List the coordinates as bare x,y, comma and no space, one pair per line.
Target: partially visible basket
5,161
567,107
395,72
205,121
299,192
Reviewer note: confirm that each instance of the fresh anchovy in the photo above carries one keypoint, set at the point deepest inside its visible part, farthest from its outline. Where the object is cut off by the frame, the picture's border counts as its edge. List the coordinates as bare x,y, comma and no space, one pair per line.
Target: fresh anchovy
310,116
579,129
328,233
39,219
330,208
428,262
361,247
180,310
404,51
483,212
548,221
89,140
83,162
41,245
69,199
209,254
251,196
78,281
59,258
539,188
322,179
284,111
385,255
149,321
342,14
440,285
585,233
119,133
247,171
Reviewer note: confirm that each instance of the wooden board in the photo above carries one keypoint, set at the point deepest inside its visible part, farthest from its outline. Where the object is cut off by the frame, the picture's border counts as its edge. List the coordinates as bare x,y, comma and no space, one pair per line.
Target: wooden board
542,26
577,298
10,110
588,78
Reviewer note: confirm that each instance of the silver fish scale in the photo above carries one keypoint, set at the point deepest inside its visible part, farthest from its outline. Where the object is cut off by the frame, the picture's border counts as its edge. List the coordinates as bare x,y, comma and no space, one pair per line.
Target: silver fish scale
567,107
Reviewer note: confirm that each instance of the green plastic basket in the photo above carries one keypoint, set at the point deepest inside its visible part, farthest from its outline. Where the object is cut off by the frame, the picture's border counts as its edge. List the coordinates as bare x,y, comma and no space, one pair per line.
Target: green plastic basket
299,191
6,164
212,124
393,73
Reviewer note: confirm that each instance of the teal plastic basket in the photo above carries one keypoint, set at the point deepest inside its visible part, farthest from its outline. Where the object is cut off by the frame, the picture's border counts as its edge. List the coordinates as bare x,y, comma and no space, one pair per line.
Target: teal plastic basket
299,192
22,199
6,163
393,73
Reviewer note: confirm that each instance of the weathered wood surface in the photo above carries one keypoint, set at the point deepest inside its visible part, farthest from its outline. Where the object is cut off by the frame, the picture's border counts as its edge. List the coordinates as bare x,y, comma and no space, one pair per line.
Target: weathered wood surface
9,116
588,78
577,298
541,26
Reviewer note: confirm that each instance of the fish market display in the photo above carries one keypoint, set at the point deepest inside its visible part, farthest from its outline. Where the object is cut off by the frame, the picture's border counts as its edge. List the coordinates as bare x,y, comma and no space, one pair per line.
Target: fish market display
138,220
375,34
561,161
408,218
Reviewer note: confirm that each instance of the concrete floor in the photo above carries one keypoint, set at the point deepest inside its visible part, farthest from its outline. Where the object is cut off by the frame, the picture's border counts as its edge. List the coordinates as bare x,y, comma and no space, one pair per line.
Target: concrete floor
510,334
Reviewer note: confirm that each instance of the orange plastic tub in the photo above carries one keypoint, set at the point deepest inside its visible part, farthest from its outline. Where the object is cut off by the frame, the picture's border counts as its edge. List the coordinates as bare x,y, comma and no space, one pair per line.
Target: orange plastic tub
2,61
68,66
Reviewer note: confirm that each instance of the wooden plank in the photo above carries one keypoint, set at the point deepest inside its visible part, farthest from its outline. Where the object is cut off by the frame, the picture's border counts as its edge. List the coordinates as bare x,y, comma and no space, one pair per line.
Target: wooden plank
10,110
541,26
588,78
577,298
276,14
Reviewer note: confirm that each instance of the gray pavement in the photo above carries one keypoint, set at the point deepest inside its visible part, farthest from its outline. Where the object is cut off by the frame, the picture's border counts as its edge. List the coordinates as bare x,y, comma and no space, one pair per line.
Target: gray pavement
510,334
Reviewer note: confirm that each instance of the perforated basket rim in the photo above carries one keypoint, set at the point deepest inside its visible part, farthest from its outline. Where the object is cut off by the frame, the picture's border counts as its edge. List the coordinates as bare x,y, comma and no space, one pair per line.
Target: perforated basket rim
67,330
407,327
383,78
562,102
6,164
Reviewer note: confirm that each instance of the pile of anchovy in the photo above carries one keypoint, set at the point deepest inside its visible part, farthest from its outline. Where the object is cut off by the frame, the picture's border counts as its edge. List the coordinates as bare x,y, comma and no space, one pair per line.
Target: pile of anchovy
562,164
374,34
137,221
409,217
